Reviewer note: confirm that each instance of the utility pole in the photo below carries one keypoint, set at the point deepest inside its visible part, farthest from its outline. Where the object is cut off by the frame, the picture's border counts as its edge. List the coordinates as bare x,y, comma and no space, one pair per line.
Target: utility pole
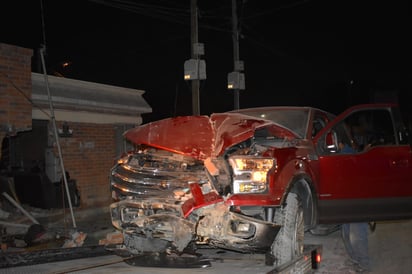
195,68
236,79
195,56
235,37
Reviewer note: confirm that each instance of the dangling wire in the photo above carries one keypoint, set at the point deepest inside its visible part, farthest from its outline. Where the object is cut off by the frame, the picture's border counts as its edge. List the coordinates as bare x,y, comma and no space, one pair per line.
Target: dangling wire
56,136
43,25
55,131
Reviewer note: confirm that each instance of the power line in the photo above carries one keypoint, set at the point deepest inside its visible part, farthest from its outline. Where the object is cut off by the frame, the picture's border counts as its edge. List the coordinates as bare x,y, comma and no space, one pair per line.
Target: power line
276,9
169,14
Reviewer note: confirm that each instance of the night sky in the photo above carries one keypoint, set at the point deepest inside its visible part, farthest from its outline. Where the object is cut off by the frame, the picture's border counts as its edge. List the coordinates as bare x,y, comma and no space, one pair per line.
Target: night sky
326,54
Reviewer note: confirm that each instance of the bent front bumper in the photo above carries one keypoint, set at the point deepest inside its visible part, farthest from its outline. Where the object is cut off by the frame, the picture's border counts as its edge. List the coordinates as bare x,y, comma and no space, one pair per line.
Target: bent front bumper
155,225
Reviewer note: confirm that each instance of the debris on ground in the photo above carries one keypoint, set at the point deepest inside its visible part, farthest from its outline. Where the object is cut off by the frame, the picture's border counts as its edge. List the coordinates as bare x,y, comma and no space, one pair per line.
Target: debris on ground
18,206
24,228
76,240
112,238
20,229
34,234
4,214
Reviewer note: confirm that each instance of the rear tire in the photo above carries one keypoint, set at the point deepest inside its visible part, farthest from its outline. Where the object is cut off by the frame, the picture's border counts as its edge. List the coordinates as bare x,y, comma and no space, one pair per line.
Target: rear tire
289,241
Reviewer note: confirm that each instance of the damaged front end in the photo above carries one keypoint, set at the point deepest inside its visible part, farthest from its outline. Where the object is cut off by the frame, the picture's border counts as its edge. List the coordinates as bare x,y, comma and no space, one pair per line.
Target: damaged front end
161,208
195,180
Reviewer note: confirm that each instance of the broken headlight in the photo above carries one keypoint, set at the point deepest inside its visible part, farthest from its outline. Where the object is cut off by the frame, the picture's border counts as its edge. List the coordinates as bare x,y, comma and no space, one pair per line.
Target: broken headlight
250,172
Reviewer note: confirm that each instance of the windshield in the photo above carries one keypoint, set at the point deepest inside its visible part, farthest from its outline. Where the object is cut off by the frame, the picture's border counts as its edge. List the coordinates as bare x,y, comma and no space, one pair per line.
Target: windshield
295,119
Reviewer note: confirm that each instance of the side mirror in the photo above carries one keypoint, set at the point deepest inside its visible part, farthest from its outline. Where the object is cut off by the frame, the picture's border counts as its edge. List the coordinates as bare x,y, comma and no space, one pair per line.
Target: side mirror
331,141
403,135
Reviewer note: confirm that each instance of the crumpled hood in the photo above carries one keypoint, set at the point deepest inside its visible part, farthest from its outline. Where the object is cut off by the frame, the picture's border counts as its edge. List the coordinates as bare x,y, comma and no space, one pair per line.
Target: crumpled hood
201,137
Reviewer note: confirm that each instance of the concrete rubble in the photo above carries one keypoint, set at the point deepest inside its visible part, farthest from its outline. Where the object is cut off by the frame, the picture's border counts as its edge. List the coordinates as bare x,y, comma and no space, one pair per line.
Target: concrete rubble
26,228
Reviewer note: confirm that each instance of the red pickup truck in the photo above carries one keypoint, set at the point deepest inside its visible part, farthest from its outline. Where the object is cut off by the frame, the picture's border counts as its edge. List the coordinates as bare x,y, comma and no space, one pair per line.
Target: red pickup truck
254,180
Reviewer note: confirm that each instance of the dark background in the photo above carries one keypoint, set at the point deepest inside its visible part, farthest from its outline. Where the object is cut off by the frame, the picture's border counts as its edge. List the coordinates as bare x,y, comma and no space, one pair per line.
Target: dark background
326,54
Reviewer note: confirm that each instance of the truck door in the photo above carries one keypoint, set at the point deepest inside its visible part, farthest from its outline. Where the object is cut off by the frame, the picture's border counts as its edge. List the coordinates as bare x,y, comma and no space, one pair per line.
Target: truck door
365,172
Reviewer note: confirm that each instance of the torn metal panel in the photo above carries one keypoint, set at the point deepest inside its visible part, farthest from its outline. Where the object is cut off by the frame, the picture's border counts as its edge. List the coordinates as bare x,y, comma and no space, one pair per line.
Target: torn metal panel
221,227
201,137
149,229
173,134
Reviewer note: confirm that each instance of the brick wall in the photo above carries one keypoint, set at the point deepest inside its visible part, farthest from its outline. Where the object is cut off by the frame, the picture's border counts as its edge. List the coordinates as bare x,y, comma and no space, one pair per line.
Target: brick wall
88,156
15,89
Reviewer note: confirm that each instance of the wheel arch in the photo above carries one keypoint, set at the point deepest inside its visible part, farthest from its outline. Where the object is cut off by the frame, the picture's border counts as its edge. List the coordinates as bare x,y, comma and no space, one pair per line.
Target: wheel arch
303,187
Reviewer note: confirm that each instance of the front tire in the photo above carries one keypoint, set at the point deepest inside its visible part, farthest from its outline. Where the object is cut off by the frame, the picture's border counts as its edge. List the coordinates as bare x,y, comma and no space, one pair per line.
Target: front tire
289,241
